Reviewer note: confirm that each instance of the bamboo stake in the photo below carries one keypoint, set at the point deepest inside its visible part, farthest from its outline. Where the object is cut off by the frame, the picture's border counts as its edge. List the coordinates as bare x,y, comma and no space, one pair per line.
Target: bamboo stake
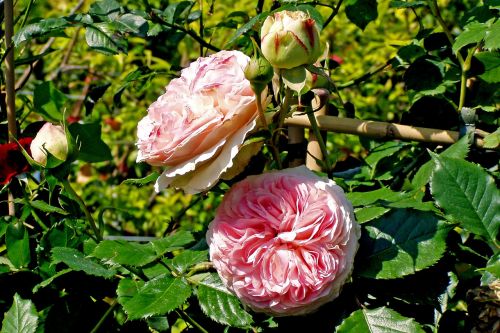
10,93
379,129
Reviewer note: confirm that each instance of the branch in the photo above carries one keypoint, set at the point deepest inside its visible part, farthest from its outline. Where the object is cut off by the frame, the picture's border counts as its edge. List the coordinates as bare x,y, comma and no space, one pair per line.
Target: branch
379,129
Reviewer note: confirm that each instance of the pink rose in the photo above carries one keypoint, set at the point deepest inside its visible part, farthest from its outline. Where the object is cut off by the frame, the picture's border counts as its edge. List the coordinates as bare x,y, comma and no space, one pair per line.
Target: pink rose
196,128
284,242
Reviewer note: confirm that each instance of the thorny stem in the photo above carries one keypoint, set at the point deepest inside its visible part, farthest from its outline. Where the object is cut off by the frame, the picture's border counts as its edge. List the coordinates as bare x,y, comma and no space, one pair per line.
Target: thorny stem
67,186
463,78
104,316
319,137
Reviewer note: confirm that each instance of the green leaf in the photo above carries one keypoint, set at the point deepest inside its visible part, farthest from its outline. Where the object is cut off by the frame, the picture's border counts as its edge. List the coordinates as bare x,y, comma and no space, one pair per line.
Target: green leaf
45,207
491,272
491,65
172,242
128,288
109,8
49,102
407,4
48,281
177,10
158,296
492,39
132,23
22,317
366,214
187,259
142,181
401,243
380,320
492,140
220,305
459,149
78,262
468,194
246,27
371,197
473,33
18,244
89,142
426,75
361,12
50,27
101,38
125,253
382,151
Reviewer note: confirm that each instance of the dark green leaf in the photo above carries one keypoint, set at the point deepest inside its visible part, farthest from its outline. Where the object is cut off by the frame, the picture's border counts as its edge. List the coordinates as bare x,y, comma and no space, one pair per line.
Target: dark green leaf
491,65
371,197
33,58
401,243
100,37
78,262
361,12
45,207
459,149
424,75
44,28
159,324
49,102
158,296
22,317
132,23
172,242
220,305
142,181
384,150
48,281
177,10
18,244
380,320
125,253
468,194
89,142
109,8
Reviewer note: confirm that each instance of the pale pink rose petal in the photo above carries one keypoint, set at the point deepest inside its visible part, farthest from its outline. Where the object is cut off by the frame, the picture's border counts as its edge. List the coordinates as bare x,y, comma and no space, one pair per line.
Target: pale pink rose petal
196,128
284,242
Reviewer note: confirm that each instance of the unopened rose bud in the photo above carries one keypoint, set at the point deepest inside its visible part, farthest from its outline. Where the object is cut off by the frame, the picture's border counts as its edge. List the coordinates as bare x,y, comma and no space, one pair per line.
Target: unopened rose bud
290,39
50,138
259,72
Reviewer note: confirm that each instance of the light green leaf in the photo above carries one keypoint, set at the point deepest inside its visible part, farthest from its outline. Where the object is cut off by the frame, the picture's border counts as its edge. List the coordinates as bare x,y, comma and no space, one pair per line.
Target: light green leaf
459,149
380,320
125,253
132,23
172,242
473,33
100,37
128,288
401,243
492,39
22,317
44,28
18,244
366,214
187,259
384,150
492,140
142,181
45,207
468,194
48,281
78,262
220,305
158,296
246,27
371,197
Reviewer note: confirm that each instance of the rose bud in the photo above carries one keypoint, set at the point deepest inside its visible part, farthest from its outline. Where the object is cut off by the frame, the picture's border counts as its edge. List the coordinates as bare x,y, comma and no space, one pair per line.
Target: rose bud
50,138
290,39
259,72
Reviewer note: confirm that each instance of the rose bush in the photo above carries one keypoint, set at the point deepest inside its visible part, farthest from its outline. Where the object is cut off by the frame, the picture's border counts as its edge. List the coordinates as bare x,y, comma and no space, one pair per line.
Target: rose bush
284,242
196,128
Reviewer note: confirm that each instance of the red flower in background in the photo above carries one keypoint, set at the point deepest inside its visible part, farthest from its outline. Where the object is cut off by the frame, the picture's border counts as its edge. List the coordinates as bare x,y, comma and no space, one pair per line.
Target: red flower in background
12,160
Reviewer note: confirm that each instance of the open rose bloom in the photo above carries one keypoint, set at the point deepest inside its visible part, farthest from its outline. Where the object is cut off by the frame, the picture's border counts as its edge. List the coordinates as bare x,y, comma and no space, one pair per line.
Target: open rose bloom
284,242
196,128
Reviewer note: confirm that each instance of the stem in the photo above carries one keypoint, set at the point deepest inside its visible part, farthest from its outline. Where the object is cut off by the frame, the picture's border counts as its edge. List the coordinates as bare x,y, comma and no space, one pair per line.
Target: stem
186,317
201,27
26,13
364,77
333,14
104,316
437,14
284,109
200,267
10,93
258,101
67,186
260,6
463,78
319,138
